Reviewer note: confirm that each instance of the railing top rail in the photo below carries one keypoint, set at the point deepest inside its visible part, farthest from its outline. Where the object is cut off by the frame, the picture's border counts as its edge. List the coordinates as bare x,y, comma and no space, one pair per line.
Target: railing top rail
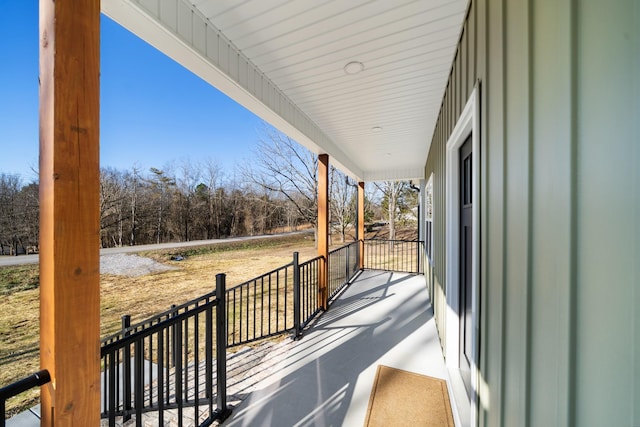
312,260
123,339
275,270
394,240
342,247
33,380
160,317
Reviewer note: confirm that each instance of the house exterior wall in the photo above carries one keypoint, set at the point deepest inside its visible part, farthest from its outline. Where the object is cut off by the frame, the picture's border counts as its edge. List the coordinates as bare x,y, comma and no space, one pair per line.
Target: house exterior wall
559,322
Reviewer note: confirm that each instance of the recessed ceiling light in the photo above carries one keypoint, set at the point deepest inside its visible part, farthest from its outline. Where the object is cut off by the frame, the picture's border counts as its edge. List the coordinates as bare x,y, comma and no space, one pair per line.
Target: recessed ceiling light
353,67
376,129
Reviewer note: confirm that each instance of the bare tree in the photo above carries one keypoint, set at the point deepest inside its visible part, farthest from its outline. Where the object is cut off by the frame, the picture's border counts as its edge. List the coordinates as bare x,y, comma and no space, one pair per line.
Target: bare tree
161,184
160,205
133,186
392,202
112,198
186,182
10,238
285,167
213,177
343,207
29,208
19,211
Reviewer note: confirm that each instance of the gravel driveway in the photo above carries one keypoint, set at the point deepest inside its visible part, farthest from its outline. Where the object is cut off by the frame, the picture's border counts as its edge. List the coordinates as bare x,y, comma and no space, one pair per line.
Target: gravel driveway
130,265
6,260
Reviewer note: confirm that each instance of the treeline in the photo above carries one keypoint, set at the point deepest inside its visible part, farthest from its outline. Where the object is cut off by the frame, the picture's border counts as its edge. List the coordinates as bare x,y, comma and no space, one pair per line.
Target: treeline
18,216
191,202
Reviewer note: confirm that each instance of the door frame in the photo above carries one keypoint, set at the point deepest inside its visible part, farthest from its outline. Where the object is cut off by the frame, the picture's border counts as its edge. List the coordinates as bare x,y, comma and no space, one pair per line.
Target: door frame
468,123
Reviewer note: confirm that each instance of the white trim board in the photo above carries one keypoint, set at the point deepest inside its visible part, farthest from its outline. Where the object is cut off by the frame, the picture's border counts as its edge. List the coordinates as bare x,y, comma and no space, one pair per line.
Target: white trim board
468,123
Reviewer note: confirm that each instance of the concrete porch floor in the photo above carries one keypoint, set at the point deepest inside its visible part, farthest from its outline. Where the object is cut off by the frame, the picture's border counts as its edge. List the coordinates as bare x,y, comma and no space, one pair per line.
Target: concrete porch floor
325,379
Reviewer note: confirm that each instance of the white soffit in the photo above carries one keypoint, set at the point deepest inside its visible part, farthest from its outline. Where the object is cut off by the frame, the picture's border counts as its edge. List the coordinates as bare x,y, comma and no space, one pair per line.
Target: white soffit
284,60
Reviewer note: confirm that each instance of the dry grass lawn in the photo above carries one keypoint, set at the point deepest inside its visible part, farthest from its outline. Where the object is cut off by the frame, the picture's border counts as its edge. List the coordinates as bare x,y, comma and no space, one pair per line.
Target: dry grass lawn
140,297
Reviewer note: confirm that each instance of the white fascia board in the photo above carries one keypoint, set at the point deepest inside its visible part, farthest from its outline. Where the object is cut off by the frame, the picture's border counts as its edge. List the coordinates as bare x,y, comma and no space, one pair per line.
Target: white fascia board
249,87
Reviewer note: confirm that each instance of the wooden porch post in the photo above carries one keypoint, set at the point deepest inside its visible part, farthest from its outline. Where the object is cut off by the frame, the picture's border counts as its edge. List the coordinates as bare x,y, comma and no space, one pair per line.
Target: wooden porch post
323,227
69,211
361,225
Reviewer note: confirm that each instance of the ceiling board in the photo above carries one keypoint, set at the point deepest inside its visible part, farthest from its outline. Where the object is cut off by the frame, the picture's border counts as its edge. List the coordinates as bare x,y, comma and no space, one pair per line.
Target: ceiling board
294,51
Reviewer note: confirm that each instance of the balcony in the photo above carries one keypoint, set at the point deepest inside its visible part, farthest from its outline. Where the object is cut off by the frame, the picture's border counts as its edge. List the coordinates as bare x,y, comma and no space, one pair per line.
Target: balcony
325,378
382,318
377,317
485,73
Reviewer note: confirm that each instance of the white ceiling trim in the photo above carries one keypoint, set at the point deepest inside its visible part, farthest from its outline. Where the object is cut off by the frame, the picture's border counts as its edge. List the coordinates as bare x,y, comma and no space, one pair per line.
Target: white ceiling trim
395,175
283,60
197,45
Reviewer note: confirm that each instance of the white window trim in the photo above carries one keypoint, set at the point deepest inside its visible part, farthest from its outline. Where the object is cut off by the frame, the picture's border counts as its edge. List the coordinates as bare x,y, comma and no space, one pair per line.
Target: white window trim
469,122
429,189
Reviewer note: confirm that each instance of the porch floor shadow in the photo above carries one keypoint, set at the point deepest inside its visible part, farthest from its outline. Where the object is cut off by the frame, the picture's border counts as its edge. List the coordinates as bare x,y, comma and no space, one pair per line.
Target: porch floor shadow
325,379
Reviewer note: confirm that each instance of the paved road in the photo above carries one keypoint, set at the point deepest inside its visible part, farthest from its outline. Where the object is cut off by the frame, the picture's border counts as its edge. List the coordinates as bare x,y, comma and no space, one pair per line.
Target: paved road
33,259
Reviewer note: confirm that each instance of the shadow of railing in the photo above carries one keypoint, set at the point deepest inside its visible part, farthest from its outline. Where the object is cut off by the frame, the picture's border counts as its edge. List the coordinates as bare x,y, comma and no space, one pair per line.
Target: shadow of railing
167,362
394,255
176,360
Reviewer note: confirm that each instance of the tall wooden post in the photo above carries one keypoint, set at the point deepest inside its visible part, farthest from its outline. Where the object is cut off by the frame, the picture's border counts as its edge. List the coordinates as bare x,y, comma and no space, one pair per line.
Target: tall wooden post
323,228
69,211
361,225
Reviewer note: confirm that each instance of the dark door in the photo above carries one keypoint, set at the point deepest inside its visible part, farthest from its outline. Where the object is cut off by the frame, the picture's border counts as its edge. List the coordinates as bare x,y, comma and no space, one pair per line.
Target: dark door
466,255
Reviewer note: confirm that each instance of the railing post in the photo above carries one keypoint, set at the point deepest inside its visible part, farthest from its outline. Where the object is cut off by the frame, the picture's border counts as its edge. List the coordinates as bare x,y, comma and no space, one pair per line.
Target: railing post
209,356
39,378
346,267
222,411
138,374
174,338
296,296
126,375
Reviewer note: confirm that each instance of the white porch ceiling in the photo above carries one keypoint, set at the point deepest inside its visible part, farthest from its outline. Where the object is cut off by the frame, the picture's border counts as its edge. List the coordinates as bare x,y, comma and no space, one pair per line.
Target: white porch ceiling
284,60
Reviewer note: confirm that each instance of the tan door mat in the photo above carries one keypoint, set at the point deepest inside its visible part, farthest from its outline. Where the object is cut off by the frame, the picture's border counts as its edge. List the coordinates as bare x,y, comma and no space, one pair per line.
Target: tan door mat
401,398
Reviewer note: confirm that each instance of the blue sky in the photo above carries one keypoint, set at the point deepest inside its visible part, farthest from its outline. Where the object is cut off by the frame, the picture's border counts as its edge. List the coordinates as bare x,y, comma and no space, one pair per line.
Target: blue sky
153,111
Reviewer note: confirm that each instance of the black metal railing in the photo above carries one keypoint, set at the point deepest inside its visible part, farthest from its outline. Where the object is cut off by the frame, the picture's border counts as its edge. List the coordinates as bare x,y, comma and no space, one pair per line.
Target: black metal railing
18,387
177,359
343,265
309,299
261,307
285,299
394,255
167,362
